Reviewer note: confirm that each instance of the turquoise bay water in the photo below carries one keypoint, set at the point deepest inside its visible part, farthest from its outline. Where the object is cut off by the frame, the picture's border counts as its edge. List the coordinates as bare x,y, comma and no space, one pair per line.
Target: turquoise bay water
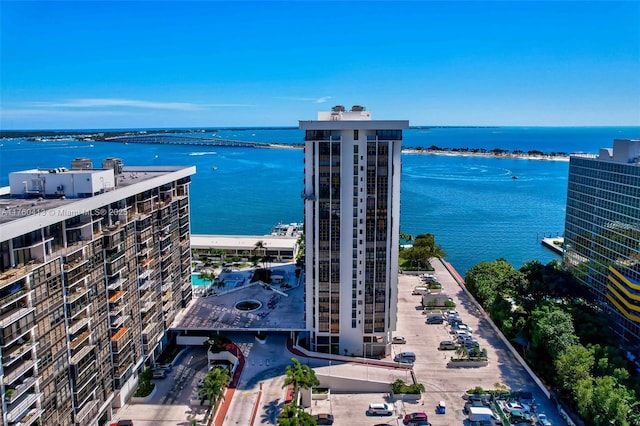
475,208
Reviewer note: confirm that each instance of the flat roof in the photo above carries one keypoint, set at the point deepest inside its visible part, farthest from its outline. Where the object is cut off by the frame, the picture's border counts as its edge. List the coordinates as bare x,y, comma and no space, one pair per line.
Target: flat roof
353,124
33,213
278,311
243,242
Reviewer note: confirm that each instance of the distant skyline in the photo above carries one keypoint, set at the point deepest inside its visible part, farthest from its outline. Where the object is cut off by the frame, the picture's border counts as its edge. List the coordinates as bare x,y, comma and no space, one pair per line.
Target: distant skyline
163,64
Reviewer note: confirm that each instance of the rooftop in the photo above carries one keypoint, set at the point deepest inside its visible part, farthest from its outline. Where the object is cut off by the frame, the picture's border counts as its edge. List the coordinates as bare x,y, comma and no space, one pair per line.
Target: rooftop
52,209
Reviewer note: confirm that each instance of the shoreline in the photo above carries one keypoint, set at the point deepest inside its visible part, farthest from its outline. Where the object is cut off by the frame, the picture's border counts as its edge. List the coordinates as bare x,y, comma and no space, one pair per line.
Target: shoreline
452,153
507,155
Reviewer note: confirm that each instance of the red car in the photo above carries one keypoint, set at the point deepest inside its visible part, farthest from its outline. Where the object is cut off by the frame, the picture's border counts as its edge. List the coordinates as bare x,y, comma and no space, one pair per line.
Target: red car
415,417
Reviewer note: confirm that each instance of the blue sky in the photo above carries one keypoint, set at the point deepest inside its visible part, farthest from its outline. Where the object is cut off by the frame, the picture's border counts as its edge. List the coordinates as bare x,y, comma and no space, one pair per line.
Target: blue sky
115,64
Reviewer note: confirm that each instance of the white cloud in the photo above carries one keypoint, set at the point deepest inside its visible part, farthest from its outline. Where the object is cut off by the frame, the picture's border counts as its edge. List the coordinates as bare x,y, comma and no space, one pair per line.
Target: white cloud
106,102
303,99
128,103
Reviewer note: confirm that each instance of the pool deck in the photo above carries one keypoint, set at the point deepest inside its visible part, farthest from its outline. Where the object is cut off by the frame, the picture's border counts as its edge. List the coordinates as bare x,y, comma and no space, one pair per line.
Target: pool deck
279,310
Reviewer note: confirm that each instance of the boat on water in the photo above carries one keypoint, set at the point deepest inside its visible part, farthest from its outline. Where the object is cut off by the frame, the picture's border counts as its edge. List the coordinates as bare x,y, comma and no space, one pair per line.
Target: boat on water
287,229
214,168
514,177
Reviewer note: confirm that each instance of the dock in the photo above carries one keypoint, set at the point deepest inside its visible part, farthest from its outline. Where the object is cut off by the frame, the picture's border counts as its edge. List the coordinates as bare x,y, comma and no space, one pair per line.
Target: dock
554,244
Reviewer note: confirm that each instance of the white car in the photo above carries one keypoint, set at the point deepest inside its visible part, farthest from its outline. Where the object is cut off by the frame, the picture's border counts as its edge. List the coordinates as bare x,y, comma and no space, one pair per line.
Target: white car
542,420
399,340
513,406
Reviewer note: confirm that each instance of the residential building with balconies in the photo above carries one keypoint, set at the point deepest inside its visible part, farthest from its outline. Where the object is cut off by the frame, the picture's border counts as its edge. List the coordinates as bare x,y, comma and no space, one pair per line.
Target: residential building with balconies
352,224
94,266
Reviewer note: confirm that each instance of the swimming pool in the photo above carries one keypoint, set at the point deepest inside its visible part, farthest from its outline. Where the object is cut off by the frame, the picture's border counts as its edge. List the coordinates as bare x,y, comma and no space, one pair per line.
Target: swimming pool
195,280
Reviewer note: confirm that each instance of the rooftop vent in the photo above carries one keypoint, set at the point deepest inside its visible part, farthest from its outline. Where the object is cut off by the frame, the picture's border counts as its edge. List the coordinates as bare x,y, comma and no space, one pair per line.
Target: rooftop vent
358,108
81,163
113,163
338,108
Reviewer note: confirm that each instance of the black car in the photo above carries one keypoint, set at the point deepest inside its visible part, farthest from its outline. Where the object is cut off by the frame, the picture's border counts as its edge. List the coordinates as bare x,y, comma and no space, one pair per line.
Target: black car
435,320
323,419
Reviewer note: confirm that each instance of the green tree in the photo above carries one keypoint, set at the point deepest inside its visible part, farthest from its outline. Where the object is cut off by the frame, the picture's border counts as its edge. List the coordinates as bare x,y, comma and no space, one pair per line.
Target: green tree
604,401
552,331
573,365
292,415
485,280
213,385
207,276
259,252
300,376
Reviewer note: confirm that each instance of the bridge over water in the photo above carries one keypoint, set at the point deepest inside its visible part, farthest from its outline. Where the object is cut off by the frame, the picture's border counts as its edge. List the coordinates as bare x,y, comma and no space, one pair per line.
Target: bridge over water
171,139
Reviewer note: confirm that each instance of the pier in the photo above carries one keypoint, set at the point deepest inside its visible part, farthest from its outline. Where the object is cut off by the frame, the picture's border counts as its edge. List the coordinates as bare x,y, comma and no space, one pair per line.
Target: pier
171,139
554,244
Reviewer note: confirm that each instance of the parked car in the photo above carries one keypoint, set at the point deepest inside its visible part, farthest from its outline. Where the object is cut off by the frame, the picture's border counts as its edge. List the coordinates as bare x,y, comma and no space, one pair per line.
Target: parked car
413,418
510,407
399,340
122,423
435,320
518,416
159,374
543,420
323,419
380,409
448,345
405,357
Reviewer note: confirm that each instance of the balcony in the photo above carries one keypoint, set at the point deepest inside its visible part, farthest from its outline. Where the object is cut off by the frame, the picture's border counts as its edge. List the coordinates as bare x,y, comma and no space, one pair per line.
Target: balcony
118,321
70,266
79,339
147,307
20,407
11,376
14,353
120,334
14,316
31,417
76,294
116,296
20,389
76,325
115,284
120,340
82,353
87,412
15,292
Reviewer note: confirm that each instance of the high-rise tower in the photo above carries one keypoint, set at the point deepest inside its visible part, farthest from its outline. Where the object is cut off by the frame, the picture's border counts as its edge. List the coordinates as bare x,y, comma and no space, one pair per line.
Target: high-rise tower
352,224
95,263
602,231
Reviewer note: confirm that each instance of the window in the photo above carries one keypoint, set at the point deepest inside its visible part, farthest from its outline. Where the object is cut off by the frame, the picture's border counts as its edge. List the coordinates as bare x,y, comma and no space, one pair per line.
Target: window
355,135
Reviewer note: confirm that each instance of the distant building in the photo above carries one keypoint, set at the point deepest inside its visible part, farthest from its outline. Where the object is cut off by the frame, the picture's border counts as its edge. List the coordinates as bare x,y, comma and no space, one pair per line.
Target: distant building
602,231
94,266
352,219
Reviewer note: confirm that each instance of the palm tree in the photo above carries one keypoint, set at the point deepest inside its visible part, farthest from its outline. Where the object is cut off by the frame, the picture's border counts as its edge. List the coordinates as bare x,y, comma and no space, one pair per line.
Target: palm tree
300,376
213,385
292,415
207,276
259,247
462,352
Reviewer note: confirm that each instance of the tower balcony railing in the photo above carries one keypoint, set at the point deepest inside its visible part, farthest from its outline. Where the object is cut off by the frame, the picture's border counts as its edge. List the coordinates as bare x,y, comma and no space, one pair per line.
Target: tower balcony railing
11,376
18,409
79,339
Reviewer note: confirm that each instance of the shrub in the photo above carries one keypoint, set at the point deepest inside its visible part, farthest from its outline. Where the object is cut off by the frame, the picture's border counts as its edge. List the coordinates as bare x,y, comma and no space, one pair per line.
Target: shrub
145,386
399,387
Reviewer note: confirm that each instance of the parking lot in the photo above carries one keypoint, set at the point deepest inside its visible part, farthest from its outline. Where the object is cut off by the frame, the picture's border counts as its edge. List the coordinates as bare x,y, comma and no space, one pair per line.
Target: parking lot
260,394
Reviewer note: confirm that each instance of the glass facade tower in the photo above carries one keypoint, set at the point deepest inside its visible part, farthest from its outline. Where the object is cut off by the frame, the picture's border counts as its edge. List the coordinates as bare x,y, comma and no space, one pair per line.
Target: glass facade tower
602,231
